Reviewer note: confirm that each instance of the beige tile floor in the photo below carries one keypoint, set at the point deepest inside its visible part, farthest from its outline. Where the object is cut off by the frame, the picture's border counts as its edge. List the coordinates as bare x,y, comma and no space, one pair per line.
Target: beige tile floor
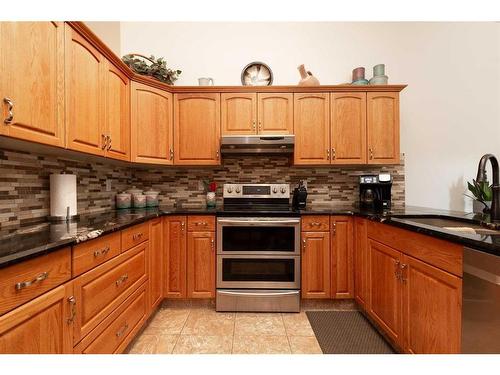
187,329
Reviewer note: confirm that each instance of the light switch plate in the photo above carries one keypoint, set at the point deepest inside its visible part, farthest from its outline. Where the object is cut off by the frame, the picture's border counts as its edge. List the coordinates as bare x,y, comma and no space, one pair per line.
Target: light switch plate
108,184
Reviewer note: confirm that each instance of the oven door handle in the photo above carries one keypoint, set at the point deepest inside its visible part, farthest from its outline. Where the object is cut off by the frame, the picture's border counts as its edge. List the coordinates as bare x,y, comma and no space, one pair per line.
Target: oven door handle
270,294
258,223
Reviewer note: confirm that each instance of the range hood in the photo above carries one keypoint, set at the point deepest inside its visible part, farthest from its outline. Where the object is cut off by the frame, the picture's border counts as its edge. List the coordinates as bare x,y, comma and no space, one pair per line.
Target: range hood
257,144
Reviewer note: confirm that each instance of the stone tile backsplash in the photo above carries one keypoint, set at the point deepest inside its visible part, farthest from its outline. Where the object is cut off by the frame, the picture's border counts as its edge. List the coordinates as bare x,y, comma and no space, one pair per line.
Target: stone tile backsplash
24,182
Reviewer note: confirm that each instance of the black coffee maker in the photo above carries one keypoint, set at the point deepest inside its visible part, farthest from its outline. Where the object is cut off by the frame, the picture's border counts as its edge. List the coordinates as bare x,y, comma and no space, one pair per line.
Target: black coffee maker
299,196
375,191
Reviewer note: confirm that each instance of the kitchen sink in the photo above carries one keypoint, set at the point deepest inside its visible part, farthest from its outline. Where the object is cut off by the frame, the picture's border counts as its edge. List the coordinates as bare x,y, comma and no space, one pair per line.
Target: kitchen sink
449,223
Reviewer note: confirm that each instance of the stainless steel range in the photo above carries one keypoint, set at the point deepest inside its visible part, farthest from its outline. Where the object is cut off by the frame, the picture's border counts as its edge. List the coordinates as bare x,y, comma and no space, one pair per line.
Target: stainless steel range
258,250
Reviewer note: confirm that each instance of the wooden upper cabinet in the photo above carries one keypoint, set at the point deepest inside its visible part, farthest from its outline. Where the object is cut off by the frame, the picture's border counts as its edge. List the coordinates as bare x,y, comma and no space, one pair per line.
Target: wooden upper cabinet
383,127
239,113
84,71
312,128
275,113
197,129
385,305
41,326
348,128
151,130
316,265
117,113
174,260
432,308
201,264
342,265
32,78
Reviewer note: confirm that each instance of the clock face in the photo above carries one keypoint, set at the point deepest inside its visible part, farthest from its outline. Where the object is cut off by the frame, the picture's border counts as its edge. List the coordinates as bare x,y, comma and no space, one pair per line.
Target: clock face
257,74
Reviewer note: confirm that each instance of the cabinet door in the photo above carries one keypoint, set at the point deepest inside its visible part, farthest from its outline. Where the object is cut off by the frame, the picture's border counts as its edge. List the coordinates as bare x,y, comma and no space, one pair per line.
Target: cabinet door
174,236
348,131
155,263
316,265
385,305
383,127
42,326
201,265
311,122
342,257
432,308
117,113
32,77
151,129
275,113
360,262
84,70
197,129
239,113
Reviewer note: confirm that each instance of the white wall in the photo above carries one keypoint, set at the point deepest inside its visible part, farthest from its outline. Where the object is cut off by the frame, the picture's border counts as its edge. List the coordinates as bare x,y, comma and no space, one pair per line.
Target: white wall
450,111
109,32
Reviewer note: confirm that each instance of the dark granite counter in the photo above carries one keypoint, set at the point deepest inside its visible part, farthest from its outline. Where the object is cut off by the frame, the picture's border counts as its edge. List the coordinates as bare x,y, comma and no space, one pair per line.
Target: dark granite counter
23,243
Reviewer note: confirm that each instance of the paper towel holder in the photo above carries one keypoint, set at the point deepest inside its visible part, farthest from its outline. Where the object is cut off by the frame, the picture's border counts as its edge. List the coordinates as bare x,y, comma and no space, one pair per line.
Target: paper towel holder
68,218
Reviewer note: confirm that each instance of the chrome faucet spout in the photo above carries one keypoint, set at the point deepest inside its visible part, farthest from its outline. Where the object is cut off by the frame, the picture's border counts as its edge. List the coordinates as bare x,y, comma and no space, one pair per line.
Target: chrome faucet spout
481,177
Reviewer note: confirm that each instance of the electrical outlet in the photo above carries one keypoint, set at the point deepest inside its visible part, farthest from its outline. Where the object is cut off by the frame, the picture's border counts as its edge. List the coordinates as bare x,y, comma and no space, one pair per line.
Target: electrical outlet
201,185
108,184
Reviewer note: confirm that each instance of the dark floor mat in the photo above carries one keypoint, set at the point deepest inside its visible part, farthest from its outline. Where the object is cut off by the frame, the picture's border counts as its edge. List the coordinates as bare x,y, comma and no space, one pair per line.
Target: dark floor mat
346,332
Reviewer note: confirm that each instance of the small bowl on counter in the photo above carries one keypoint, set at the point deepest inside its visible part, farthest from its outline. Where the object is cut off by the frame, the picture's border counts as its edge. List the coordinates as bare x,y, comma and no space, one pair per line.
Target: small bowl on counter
123,200
152,198
139,200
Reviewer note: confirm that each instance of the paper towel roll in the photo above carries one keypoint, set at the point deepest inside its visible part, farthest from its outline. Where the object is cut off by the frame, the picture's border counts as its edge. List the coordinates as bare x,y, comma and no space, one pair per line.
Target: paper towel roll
62,195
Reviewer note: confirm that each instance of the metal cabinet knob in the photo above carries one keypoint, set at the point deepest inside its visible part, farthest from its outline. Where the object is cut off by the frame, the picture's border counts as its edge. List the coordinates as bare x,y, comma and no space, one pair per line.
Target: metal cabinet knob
10,109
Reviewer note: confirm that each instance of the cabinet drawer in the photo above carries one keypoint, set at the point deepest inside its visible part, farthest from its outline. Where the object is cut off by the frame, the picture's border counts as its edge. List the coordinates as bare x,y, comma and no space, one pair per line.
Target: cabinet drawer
99,291
134,235
92,253
316,223
201,223
119,328
24,281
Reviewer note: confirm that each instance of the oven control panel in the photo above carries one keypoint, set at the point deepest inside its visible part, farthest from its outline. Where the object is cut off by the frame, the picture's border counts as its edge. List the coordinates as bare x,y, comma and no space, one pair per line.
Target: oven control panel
256,191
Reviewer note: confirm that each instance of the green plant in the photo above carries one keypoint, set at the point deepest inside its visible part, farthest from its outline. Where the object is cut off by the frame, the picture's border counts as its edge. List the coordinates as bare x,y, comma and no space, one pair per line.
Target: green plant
150,66
481,191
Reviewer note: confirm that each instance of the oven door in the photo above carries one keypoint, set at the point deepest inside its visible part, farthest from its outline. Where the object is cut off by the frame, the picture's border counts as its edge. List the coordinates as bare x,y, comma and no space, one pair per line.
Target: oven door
258,272
258,235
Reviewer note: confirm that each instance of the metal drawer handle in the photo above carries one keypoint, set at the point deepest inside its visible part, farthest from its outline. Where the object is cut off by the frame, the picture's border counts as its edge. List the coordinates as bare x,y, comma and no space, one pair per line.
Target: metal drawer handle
72,302
137,236
122,330
109,143
397,270
304,244
25,284
103,252
264,294
201,223
334,228
10,118
371,153
212,244
401,274
121,279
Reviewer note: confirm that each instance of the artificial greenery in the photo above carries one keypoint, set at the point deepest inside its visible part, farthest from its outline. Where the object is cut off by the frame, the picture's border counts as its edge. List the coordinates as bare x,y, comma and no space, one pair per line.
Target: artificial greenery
150,66
481,191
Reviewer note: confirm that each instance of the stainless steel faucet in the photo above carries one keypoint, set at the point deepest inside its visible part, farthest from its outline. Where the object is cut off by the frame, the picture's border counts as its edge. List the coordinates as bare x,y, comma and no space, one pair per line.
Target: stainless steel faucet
481,177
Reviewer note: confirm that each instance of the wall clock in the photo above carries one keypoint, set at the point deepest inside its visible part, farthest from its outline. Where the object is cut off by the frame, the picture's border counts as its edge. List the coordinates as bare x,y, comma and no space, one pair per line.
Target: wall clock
257,74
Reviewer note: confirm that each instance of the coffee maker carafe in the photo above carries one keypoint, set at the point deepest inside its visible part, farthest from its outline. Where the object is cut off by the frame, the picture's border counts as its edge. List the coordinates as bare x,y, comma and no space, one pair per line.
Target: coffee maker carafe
375,191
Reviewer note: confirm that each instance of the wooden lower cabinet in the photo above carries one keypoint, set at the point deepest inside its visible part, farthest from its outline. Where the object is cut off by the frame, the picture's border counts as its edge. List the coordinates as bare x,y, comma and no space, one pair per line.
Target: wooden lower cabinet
385,292
201,264
342,257
316,268
155,292
360,260
432,301
119,328
41,326
417,304
174,239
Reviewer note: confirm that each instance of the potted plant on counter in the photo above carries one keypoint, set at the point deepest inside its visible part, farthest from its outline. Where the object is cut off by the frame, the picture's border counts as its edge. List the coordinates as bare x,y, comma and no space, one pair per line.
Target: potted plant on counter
481,195
210,187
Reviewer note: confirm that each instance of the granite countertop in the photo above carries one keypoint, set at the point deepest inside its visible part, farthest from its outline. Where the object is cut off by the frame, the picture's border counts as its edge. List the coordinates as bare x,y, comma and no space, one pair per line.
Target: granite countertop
18,244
